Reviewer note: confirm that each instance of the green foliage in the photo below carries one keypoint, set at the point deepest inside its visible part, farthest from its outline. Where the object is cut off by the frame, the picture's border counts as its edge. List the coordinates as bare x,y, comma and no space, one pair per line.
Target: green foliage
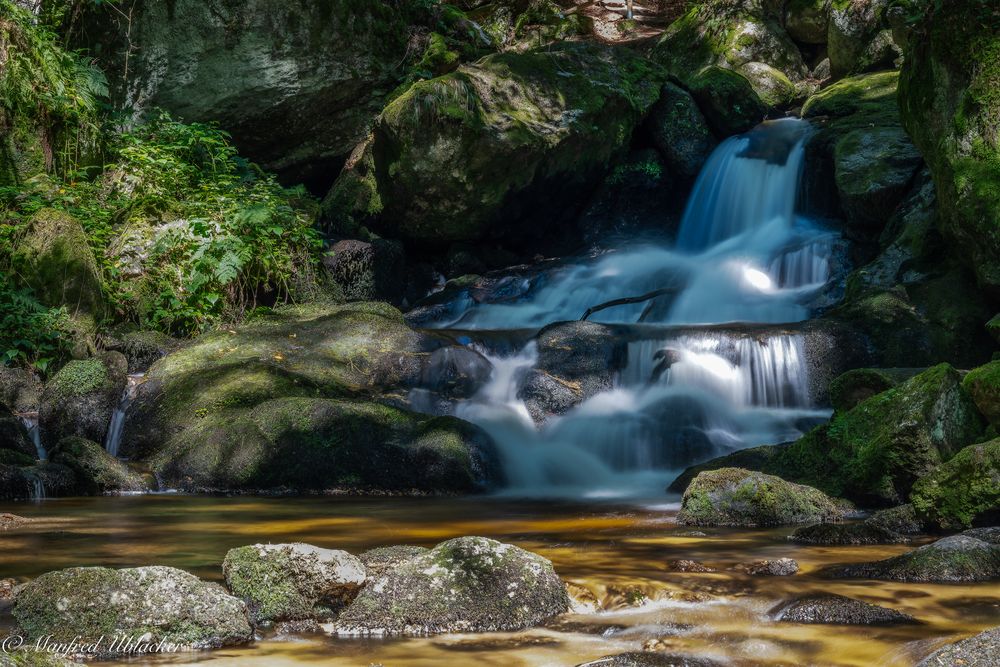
30,333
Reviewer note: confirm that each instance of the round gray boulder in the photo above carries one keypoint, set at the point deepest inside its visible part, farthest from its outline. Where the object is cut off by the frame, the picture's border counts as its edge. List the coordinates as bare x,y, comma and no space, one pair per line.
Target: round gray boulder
837,610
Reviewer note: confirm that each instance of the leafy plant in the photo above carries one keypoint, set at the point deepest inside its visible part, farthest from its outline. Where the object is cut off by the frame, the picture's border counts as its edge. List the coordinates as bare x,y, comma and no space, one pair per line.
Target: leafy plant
30,333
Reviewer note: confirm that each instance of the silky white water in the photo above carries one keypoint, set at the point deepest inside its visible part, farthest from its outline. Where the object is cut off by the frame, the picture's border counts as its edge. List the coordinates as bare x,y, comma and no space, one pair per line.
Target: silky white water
742,255
30,422
116,427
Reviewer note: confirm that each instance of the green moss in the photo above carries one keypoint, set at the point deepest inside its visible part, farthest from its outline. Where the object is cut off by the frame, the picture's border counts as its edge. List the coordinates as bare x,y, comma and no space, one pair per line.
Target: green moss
983,384
963,490
728,101
267,583
79,378
854,386
866,99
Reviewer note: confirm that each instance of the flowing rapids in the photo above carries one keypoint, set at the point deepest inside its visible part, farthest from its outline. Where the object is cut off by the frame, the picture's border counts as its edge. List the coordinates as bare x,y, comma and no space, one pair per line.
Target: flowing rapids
742,255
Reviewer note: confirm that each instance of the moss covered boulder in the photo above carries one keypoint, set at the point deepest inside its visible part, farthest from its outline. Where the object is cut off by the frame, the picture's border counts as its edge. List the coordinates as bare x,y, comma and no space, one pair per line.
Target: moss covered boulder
738,497
292,582
963,491
88,603
807,20
468,584
56,261
950,106
859,384
728,101
509,143
955,559
300,400
901,519
874,452
874,168
983,384
97,472
80,399
680,132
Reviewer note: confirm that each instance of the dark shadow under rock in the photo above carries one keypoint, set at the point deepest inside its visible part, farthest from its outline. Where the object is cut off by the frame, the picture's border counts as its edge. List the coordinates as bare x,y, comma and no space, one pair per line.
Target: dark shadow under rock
845,533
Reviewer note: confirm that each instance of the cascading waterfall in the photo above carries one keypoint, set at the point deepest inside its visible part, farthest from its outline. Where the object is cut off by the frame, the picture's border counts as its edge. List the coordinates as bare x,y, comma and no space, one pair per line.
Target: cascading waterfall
117,425
742,255
30,421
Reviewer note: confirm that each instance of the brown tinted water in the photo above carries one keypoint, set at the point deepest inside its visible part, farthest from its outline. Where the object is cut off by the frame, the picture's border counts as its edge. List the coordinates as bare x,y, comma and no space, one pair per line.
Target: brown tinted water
618,553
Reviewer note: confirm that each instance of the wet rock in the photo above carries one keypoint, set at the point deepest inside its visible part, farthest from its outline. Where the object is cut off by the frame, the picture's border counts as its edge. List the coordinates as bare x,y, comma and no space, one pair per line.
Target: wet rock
455,372
581,356
963,491
650,659
983,384
290,582
680,132
382,560
990,534
547,396
96,471
293,400
850,533
468,584
781,567
86,603
837,610
447,164
955,559
80,399
142,348
873,170
806,20
8,521
689,566
901,519
306,626
738,497
728,101
977,651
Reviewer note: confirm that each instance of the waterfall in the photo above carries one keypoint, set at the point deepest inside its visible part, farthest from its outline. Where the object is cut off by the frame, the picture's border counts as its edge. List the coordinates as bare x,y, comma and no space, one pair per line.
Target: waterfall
30,421
742,255
117,424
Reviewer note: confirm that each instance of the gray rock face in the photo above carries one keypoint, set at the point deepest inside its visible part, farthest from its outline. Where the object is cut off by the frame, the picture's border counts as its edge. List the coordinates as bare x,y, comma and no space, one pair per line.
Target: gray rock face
291,582
852,533
468,584
20,389
955,559
991,534
680,131
837,610
980,650
852,27
780,567
168,604
873,169
296,85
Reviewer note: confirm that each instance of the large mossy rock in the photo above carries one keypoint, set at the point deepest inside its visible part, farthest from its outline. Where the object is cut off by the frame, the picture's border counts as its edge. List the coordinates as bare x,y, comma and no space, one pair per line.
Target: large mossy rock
977,651
963,491
295,400
56,262
296,85
874,452
292,582
950,105
955,559
680,132
728,101
88,603
983,384
80,399
855,38
738,497
807,20
508,144
468,584
96,471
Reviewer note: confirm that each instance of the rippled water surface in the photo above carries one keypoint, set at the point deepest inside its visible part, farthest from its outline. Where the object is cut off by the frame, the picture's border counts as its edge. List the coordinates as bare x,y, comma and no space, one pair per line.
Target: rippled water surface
620,554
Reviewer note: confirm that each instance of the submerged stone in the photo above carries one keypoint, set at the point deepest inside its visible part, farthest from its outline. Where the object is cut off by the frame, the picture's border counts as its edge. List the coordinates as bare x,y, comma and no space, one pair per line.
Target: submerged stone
977,651
837,610
468,584
780,567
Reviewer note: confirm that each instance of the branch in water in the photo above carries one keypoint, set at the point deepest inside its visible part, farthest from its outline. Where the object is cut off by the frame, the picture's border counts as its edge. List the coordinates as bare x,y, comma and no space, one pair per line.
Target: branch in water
626,300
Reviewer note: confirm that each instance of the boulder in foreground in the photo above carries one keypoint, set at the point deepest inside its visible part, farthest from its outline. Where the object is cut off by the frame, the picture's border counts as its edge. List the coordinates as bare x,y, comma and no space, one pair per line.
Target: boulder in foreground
468,584
977,651
163,603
